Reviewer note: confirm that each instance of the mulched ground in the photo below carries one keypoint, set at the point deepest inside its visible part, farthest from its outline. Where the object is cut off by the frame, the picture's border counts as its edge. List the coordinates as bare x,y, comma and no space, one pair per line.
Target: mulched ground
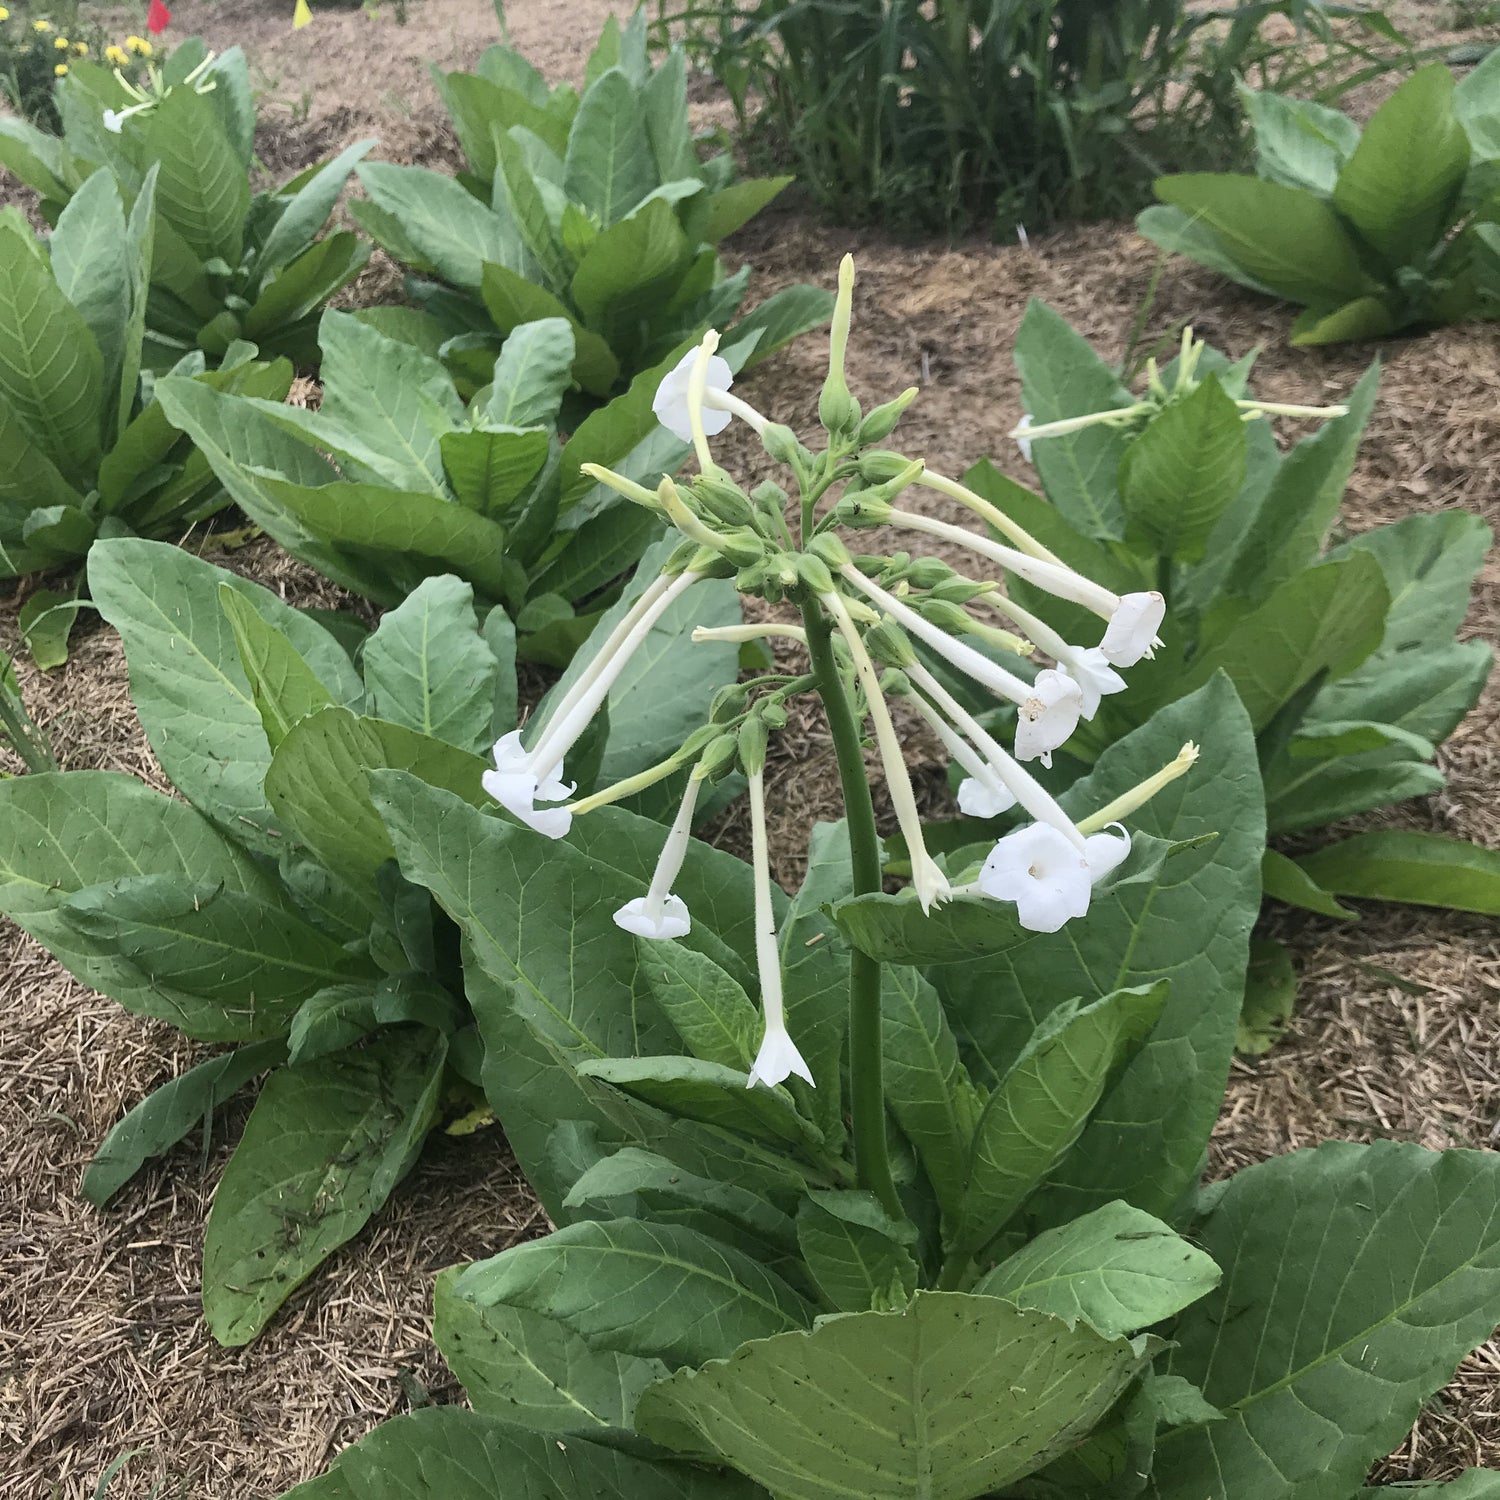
102,1350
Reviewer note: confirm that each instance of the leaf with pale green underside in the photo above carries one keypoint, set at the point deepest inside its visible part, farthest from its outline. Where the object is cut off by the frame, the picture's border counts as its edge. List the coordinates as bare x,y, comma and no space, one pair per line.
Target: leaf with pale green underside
308,208
169,1112
463,1455
1039,1109
194,700
1116,1269
1285,880
882,1404
1394,864
1355,1280
532,1369
1297,141
322,1150
654,1291
532,375
427,666
1145,1139
856,1253
91,261
61,833
692,1089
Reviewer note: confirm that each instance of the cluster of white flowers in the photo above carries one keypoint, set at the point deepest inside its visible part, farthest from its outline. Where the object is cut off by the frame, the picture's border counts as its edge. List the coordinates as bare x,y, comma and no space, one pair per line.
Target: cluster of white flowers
1047,869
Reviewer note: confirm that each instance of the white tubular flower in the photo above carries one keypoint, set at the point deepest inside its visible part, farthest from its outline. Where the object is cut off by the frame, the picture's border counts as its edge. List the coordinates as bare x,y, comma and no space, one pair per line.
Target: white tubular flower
981,794
516,785
1131,632
671,401
583,700
929,882
1019,434
778,1057
1048,716
659,914
1020,783
1046,876
1095,677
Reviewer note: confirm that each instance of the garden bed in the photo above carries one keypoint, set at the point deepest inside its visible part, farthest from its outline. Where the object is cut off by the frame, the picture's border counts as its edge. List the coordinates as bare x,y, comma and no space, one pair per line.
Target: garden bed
102,1346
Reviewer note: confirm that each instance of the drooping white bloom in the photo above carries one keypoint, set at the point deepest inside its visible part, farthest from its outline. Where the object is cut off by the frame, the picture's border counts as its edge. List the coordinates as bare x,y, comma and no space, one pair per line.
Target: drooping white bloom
671,401
659,914
778,1057
1090,669
516,785
1048,716
1131,632
1023,443
1048,878
983,798
113,120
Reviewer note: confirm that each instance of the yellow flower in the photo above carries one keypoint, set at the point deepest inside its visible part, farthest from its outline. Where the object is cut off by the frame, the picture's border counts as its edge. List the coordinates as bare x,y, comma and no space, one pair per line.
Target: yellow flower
43,26
61,43
80,49
139,45
61,70
4,14
301,16
117,55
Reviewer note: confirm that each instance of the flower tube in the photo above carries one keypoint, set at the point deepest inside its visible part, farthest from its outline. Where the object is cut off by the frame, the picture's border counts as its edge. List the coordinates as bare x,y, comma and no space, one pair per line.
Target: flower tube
659,914
778,1057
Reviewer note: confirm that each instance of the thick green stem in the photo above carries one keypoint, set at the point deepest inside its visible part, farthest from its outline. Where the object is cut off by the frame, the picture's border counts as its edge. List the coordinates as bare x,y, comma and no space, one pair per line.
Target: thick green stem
866,1086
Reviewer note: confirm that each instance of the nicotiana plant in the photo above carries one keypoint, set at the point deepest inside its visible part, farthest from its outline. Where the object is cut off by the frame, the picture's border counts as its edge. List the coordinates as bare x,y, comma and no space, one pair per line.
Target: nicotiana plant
227,264
1374,231
262,907
596,209
1185,488
396,477
88,450
923,1223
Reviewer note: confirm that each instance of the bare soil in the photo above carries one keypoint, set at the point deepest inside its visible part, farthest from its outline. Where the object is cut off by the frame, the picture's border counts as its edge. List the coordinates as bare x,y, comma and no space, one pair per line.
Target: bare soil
102,1348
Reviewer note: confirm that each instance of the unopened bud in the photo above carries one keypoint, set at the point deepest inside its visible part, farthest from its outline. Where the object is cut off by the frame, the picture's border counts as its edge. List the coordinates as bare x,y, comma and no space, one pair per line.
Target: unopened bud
698,741
886,642
946,616
879,465
720,757
769,497
743,547
723,499
929,573
728,703
862,508
782,444
813,571
753,739
773,711
830,549
958,590
881,422
682,558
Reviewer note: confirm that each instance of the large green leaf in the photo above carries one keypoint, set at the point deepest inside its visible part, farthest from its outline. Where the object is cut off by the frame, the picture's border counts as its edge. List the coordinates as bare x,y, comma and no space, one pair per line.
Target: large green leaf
1116,1269
1180,233
1062,376
62,833
1355,1279
447,1453
1325,620
1282,237
655,1291
307,210
169,1112
1182,473
51,370
1040,1107
1395,864
609,164
707,1007
1476,102
1399,187
532,1369
192,695
1192,926
883,1405
428,667
322,1150
855,1252
631,270
1298,142
490,470
282,318
511,300
532,375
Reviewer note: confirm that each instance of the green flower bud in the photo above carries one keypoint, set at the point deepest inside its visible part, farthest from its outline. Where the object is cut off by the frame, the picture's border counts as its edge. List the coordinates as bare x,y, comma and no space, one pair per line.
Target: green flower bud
724,500
743,547
881,422
719,759
830,549
879,464
699,740
681,559
888,643
773,711
958,590
753,739
946,616
782,444
813,571
728,703
861,508
929,573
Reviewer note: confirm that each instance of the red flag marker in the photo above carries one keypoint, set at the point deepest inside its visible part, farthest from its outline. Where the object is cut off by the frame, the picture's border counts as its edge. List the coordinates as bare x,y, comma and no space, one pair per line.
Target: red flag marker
158,17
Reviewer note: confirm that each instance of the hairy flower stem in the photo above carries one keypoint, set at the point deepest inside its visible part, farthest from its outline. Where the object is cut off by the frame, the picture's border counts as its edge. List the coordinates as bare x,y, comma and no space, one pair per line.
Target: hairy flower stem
866,1085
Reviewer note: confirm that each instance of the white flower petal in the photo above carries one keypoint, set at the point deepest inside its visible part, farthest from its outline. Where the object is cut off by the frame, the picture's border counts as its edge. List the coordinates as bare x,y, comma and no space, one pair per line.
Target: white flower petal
674,921
1048,716
671,401
509,754
1024,444
516,792
113,121
1041,871
777,1060
978,800
1096,679
1131,632
1105,852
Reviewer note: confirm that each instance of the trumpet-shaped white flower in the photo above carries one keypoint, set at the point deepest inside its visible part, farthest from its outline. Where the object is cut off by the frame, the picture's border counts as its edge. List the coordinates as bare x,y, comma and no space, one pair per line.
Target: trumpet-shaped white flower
981,794
1131,632
1048,716
671,401
983,797
1023,442
1091,670
659,914
1048,878
517,786
778,1057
